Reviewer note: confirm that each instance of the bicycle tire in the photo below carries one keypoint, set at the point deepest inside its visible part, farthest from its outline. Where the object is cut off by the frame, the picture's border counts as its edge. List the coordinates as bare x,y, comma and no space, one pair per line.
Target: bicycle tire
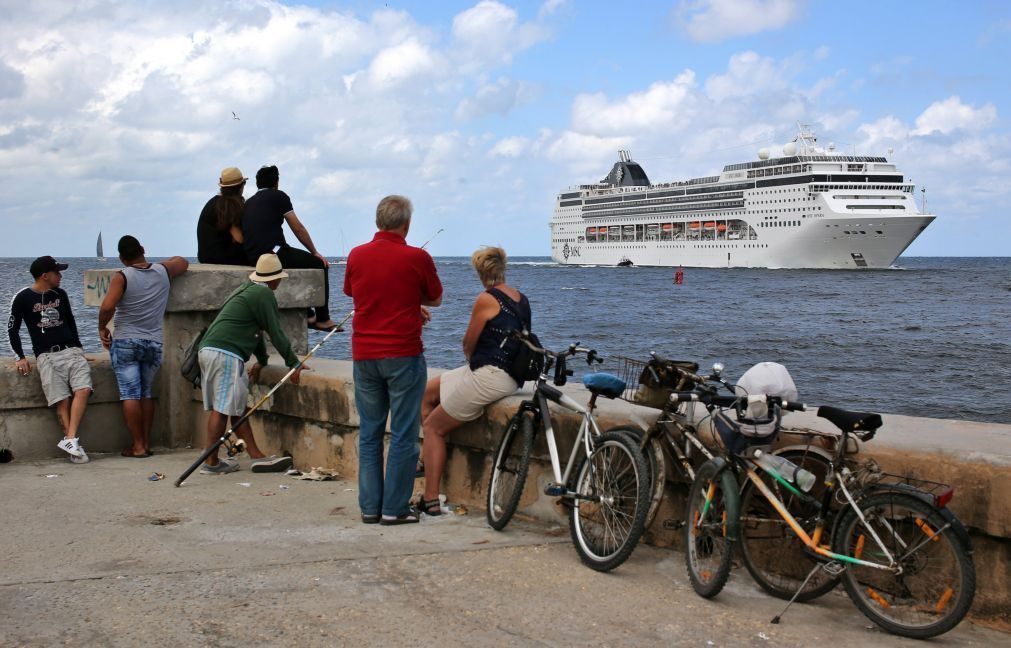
656,468
605,532
710,546
509,472
937,583
771,552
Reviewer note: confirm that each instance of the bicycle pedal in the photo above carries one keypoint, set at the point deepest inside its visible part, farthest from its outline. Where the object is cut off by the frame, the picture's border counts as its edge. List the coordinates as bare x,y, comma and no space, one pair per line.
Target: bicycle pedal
834,568
555,490
673,525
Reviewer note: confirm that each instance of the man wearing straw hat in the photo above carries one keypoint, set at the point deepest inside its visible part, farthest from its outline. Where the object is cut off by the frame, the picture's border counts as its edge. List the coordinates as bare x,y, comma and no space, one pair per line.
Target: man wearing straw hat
232,338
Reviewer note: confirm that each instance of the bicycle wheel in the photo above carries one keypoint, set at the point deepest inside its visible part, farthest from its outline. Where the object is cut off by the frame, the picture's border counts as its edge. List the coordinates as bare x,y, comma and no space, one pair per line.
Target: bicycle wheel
608,515
656,468
934,583
712,506
772,553
509,472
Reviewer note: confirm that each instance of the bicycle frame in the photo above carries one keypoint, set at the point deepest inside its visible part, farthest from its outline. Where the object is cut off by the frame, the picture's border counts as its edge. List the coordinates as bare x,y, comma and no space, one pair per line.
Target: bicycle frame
588,429
814,541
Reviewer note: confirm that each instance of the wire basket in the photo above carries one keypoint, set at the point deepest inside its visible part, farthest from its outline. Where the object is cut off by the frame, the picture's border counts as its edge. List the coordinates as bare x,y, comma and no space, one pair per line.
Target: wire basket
651,386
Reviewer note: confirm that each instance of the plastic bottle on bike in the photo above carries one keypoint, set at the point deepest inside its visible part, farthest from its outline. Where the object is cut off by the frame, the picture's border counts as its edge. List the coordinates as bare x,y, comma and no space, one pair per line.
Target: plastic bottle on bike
784,468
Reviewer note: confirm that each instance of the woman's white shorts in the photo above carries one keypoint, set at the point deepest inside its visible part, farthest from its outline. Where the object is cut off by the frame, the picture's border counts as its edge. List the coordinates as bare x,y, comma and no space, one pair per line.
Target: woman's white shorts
463,393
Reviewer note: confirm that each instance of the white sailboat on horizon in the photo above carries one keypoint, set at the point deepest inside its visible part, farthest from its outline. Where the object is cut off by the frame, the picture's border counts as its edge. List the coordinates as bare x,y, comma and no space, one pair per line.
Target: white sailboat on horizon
98,248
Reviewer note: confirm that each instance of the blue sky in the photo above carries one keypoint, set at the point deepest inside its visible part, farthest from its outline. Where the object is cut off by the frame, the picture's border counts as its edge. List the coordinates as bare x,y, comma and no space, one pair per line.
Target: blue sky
117,117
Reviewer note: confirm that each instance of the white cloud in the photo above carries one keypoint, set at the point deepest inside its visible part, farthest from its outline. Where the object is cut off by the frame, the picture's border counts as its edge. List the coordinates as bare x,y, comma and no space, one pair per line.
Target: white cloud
710,21
489,34
663,105
951,114
551,6
500,98
400,63
510,147
747,74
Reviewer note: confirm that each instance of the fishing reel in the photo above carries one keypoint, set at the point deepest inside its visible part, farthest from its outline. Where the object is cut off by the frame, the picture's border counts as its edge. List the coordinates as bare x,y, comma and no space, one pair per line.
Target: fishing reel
236,447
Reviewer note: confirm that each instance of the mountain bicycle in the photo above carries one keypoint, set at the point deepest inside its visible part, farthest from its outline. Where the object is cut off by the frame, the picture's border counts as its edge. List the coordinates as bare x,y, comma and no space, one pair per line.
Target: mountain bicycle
904,558
606,492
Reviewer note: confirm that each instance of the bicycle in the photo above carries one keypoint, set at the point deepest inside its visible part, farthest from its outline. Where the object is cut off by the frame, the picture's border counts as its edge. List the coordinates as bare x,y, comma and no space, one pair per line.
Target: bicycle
904,558
773,556
674,437
607,495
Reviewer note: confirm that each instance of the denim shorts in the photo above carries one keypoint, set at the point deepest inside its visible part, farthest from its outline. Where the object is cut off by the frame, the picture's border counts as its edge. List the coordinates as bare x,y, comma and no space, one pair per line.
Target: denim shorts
135,362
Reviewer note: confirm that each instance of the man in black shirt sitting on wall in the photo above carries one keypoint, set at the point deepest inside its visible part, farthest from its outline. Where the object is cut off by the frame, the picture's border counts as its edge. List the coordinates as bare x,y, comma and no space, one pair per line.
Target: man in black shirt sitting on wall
262,220
44,308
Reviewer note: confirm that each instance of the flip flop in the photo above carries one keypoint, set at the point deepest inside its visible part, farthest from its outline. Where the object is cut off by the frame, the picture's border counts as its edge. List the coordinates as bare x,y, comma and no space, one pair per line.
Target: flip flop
128,452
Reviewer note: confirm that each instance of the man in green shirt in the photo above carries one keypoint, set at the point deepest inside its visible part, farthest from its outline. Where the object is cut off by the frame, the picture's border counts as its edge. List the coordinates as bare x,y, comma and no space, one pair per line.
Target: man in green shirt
235,335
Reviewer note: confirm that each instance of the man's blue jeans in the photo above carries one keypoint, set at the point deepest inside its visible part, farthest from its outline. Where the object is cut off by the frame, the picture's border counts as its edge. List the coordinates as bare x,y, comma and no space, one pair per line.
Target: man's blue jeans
389,387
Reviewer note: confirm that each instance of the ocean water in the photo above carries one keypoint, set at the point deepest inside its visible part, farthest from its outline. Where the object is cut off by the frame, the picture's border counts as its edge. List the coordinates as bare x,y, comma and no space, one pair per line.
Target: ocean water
931,337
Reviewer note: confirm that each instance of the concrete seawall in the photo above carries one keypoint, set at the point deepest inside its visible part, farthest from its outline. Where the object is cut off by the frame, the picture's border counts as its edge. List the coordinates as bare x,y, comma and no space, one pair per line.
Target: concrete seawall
318,424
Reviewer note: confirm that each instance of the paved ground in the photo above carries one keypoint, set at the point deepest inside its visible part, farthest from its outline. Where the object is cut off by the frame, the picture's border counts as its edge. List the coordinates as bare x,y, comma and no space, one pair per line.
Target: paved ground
97,555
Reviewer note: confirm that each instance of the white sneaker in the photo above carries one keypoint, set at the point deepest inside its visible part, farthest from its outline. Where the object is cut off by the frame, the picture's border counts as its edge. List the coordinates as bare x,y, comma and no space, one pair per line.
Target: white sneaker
73,446
83,459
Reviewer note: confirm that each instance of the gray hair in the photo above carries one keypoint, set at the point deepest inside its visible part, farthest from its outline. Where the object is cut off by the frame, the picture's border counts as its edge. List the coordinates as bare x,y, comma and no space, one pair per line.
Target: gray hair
393,212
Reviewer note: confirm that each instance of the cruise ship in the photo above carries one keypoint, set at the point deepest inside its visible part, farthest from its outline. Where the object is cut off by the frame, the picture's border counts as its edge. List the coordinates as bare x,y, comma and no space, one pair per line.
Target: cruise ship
812,207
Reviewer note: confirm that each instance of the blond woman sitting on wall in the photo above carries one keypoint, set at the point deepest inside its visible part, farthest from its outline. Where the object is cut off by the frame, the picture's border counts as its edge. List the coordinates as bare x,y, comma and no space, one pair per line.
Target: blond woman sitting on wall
460,395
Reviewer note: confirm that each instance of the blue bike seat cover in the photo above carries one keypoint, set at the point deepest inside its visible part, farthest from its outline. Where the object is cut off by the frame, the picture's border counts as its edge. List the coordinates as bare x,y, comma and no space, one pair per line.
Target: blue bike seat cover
605,384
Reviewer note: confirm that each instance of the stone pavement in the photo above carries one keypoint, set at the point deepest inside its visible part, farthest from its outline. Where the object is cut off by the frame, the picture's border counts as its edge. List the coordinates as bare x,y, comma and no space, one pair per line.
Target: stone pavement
98,555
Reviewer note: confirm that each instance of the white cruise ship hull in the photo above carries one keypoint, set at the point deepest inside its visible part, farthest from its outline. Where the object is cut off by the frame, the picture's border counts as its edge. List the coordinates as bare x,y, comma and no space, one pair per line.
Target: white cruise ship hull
818,244
808,209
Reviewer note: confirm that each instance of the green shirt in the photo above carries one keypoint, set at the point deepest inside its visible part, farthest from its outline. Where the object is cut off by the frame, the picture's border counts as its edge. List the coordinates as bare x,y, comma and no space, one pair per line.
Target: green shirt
238,328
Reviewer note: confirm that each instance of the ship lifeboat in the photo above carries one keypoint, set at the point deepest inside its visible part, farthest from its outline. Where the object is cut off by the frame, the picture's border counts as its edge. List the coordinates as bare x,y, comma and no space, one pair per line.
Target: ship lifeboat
667,227
694,225
710,224
591,230
722,227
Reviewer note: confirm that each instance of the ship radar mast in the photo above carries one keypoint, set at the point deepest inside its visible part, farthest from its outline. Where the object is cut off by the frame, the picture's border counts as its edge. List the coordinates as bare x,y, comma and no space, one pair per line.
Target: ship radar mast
806,140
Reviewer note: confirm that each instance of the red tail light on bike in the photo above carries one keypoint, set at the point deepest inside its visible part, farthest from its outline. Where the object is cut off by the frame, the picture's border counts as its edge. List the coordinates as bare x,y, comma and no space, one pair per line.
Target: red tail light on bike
940,501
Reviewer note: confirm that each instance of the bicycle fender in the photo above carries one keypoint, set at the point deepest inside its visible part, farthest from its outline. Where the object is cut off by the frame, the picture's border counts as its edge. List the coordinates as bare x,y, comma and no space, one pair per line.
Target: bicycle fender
715,469
956,524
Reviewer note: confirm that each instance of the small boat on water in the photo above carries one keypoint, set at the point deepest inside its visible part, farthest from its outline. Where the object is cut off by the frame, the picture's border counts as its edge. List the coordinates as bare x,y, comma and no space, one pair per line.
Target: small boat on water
625,262
99,254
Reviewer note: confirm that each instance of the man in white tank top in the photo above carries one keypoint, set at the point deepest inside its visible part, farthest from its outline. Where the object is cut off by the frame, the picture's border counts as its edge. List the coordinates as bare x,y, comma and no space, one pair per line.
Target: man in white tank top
137,297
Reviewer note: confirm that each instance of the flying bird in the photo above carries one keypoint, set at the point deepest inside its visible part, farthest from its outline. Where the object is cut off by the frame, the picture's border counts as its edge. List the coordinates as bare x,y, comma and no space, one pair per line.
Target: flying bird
235,117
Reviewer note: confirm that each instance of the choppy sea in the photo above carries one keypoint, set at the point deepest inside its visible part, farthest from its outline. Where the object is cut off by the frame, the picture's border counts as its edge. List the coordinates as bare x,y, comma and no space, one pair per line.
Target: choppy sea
929,337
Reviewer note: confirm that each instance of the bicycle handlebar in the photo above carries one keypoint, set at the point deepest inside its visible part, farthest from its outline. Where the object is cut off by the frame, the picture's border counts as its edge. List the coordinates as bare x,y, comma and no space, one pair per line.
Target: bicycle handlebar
711,398
573,350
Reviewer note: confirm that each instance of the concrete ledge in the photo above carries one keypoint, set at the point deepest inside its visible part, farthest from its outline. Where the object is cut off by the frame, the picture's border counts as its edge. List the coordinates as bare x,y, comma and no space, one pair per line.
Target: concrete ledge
317,423
203,287
31,430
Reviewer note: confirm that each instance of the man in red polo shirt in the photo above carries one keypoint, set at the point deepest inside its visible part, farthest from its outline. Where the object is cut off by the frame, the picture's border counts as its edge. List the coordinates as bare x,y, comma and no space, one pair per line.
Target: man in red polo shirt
389,282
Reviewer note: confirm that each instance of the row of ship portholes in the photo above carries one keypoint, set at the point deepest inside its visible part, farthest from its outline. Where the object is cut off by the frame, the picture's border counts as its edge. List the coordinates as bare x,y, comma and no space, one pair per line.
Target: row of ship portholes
682,246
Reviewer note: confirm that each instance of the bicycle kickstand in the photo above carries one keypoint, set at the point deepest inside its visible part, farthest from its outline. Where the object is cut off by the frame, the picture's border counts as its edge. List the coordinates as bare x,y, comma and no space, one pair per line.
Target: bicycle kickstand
831,568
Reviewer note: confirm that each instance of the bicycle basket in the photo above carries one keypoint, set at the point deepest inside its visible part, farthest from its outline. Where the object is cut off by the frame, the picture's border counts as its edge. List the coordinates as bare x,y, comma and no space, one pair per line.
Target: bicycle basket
754,422
651,386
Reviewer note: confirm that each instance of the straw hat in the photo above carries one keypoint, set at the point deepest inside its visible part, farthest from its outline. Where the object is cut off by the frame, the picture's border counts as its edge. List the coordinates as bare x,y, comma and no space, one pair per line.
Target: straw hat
231,177
268,268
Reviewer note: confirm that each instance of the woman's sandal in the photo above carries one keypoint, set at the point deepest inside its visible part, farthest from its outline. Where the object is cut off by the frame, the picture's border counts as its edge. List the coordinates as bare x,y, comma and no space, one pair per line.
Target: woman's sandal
429,507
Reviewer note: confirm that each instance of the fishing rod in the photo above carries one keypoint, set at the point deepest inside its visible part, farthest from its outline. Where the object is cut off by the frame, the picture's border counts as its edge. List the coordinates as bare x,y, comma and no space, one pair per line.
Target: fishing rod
430,240
236,447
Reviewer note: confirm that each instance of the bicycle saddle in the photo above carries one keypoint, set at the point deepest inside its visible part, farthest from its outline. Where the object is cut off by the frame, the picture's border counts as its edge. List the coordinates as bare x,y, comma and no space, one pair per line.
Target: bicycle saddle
604,384
850,421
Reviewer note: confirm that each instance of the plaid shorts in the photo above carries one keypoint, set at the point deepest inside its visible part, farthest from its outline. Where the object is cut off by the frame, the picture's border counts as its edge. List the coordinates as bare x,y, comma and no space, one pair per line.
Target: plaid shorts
224,383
